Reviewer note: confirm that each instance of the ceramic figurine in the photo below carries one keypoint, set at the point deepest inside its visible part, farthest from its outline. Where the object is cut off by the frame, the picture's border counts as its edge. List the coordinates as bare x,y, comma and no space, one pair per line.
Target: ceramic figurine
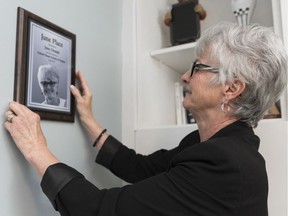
243,10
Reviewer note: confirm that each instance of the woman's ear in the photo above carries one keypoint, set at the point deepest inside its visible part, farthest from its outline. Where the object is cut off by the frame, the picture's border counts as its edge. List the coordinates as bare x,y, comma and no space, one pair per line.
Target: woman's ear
234,89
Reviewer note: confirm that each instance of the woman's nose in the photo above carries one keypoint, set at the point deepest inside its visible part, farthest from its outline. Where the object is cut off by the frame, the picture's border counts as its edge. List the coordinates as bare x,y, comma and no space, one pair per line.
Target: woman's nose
185,77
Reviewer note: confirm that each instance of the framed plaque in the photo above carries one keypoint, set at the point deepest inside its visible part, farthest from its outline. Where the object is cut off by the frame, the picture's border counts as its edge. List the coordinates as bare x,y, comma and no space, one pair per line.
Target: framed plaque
44,67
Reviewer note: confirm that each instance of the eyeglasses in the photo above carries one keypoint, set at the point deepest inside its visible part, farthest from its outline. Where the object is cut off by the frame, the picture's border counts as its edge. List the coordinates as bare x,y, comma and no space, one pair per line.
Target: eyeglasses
50,83
195,67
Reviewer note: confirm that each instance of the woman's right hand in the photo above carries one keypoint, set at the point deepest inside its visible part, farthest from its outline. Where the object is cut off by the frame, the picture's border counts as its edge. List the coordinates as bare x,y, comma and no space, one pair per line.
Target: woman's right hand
25,129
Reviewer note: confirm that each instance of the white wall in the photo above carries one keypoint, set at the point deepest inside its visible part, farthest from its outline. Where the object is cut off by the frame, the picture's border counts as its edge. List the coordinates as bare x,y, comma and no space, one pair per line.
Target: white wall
97,25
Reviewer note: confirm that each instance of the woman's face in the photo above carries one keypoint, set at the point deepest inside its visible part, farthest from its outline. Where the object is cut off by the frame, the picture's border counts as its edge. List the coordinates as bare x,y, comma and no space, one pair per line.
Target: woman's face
49,86
201,95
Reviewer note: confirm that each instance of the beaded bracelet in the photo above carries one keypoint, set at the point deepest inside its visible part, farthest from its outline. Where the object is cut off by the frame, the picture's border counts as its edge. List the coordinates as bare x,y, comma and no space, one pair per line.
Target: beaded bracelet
99,137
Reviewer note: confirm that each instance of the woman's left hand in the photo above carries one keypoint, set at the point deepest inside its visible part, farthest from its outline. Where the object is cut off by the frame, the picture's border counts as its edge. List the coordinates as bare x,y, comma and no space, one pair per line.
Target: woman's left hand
83,100
84,107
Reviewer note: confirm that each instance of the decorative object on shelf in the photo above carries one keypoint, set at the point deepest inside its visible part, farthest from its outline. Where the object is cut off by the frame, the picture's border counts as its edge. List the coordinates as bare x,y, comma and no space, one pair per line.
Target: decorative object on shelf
274,111
243,10
183,116
184,21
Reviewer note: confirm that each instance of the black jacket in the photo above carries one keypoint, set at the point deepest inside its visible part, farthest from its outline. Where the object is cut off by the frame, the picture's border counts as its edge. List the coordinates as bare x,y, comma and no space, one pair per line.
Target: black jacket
223,176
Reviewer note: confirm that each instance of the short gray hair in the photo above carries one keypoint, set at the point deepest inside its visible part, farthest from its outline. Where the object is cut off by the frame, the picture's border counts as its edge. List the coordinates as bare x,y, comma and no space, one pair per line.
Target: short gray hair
253,54
48,71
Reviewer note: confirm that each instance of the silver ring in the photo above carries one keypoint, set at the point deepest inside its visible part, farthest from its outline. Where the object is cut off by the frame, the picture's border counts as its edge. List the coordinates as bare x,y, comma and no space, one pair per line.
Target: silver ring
10,117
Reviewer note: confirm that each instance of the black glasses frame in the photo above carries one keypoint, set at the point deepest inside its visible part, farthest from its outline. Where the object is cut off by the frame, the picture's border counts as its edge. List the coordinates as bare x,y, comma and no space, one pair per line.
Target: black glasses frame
199,66
50,83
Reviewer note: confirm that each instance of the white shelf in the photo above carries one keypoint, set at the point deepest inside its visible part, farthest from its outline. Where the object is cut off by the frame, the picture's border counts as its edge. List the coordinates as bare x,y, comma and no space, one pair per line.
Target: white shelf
191,127
179,57
152,139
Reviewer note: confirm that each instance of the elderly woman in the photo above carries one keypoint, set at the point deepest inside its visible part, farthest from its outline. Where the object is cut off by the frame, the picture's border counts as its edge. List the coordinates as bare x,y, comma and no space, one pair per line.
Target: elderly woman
48,78
238,73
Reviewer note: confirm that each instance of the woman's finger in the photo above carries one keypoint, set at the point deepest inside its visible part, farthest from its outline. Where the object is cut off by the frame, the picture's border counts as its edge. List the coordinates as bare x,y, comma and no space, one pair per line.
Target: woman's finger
18,108
75,92
83,83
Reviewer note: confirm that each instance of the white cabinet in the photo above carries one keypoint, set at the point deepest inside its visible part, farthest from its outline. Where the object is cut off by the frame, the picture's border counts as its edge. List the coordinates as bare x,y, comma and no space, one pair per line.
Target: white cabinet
151,66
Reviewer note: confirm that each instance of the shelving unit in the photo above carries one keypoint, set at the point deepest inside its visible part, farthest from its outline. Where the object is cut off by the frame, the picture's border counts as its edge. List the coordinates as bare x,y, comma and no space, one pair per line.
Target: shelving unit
179,58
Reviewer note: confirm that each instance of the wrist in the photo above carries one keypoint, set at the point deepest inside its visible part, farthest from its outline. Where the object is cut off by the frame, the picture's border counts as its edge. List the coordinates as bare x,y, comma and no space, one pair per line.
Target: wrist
92,127
94,130
99,137
86,117
41,158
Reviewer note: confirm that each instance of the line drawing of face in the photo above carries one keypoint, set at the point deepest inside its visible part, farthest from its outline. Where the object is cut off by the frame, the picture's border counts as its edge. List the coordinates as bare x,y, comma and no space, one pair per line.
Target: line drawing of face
48,79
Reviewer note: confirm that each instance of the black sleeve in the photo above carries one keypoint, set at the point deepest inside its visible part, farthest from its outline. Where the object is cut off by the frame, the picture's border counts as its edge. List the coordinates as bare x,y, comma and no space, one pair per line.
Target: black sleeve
71,194
132,167
60,175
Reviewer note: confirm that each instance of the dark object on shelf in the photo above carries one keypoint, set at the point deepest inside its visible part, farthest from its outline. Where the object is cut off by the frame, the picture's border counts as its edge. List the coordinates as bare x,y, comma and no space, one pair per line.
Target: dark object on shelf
274,111
190,118
185,25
